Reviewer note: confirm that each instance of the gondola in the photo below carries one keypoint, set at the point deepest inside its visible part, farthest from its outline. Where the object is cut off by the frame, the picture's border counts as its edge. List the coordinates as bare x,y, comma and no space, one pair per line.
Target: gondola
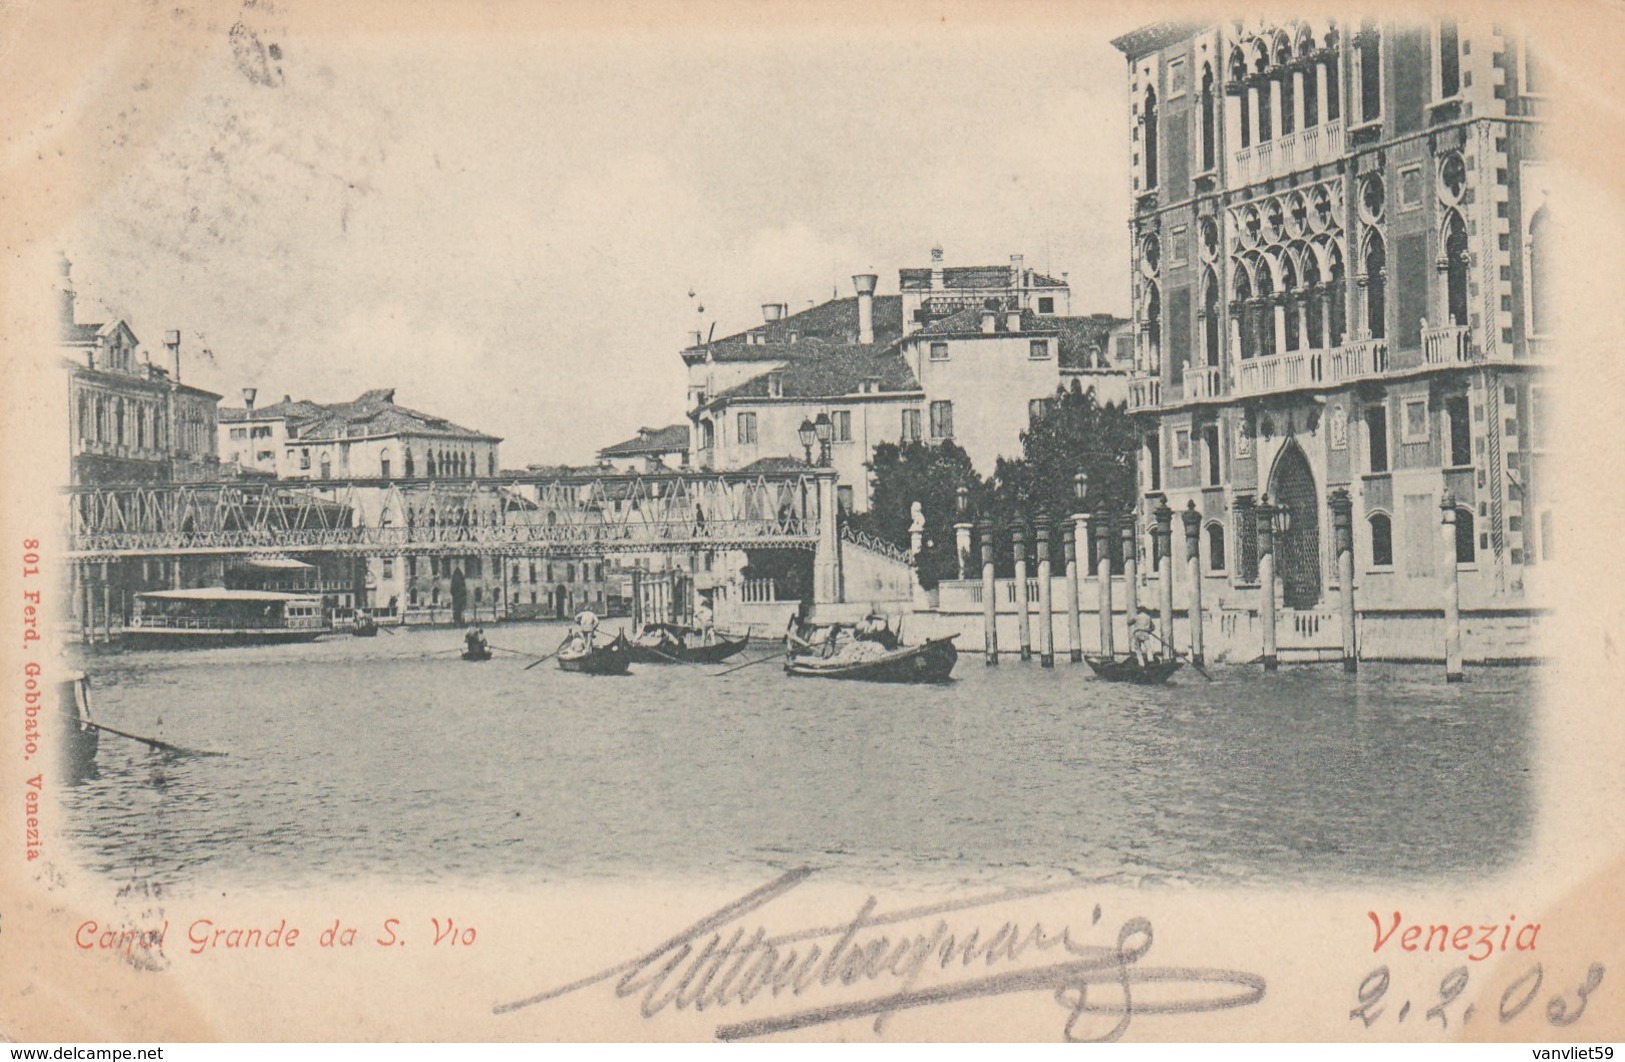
931,661
683,646
610,658
364,626
474,656
1129,669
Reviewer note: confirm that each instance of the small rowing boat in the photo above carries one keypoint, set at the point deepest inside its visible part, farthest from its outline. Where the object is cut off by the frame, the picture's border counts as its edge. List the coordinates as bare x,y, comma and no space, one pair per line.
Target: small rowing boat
474,656
869,661
1129,669
665,643
611,658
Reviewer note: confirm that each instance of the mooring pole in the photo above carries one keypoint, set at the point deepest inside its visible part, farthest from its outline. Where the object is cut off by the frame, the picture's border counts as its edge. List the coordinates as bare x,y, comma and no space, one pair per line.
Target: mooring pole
1046,622
1193,564
990,599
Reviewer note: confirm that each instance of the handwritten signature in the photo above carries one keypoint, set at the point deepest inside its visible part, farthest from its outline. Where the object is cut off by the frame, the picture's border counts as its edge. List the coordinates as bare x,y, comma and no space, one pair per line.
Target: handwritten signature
718,962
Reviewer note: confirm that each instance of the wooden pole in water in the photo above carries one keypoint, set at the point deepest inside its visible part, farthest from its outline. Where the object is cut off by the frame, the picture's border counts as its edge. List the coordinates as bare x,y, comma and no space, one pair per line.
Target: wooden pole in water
1074,618
1162,536
1452,589
1131,571
1024,627
1342,507
990,600
1266,580
1046,612
1193,562
1103,578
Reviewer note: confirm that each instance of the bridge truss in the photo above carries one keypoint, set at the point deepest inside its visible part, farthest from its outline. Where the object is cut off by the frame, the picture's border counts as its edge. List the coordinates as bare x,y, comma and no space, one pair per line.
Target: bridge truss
567,516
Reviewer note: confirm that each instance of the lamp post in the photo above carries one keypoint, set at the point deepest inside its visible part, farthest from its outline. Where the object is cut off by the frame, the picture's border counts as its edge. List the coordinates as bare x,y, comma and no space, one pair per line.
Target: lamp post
824,429
1266,578
1193,561
962,530
808,434
1077,559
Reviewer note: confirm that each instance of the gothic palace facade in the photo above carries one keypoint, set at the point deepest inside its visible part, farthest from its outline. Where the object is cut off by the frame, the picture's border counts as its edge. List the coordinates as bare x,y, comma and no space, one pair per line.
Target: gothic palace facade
1340,240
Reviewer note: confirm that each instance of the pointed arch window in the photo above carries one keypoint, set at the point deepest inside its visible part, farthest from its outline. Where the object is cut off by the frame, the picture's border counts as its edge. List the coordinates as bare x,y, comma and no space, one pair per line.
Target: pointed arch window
1376,281
1153,328
1149,120
1212,322
1369,53
1209,120
1455,268
1382,540
1245,323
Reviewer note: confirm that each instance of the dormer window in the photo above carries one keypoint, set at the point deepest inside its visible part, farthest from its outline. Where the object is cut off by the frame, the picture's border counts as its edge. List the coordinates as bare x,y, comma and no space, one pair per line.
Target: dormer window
775,385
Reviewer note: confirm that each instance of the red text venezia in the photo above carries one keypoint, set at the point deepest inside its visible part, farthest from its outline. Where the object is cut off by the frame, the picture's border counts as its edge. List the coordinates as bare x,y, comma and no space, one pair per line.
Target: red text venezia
1476,941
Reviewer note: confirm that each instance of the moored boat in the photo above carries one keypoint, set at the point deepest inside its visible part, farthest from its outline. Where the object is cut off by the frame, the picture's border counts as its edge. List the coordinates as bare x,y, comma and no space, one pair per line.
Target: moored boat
931,661
364,626
214,615
477,655
609,658
1129,669
665,643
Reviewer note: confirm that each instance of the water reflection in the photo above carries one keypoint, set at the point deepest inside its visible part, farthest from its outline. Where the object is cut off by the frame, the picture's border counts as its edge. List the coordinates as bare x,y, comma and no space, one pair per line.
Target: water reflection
391,756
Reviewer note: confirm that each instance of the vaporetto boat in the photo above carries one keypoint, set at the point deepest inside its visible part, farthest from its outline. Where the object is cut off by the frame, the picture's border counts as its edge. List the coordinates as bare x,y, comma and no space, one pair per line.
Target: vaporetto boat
214,615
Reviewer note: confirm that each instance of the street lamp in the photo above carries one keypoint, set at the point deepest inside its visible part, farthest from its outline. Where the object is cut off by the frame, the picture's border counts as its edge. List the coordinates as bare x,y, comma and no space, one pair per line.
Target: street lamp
1283,518
962,503
1080,488
809,435
825,431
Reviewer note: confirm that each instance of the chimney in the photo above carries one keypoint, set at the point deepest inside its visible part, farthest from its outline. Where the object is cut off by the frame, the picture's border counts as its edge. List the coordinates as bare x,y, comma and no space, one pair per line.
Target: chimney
172,340
65,292
696,339
1012,318
990,319
936,269
773,311
865,283
249,394
1015,271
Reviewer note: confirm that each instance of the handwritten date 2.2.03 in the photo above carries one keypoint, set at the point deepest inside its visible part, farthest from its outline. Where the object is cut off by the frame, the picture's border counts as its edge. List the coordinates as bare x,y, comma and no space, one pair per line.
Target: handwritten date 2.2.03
1564,1007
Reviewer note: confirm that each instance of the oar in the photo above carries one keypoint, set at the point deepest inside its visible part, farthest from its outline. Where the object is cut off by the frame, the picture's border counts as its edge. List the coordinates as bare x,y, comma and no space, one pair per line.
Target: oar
515,652
155,743
752,663
664,656
1185,656
549,656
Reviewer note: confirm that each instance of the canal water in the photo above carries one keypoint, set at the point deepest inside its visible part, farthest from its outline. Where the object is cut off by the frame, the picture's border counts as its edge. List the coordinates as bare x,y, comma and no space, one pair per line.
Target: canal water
352,758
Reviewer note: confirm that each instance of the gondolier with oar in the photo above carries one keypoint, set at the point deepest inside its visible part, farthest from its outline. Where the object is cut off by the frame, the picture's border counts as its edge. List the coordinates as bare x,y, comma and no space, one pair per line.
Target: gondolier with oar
586,626
1143,637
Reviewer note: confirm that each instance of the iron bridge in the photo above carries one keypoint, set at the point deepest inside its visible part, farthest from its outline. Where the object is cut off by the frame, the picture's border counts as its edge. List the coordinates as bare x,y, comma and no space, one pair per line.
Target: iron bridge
510,515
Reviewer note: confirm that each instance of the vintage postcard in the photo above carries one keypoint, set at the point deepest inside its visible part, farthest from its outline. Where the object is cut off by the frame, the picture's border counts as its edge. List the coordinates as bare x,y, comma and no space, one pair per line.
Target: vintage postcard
880,522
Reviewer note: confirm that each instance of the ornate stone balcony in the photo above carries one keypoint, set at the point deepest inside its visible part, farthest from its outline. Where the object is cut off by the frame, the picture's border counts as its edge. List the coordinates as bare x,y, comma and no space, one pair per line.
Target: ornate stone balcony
1144,392
1314,146
1203,382
1448,345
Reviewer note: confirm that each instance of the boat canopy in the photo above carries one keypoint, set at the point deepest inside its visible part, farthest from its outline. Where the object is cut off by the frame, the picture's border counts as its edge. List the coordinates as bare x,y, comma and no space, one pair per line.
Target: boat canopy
277,564
220,593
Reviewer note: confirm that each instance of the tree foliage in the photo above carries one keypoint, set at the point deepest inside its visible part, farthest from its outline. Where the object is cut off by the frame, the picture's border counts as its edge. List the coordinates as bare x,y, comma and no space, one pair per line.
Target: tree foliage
1076,433
931,475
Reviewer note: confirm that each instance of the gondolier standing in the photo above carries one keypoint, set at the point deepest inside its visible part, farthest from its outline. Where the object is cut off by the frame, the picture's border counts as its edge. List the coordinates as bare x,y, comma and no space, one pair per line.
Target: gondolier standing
1143,637
586,625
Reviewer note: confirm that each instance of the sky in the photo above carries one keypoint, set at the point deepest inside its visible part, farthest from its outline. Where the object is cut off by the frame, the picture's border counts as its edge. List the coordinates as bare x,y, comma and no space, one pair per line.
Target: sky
505,226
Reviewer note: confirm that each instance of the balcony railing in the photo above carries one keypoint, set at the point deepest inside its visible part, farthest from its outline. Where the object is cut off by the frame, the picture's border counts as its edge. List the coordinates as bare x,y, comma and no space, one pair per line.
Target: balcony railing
1145,393
1357,359
1447,345
1314,146
1282,372
1202,382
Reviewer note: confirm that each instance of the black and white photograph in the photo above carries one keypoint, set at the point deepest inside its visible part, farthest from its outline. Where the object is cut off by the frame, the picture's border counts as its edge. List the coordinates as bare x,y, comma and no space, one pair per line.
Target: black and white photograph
875,522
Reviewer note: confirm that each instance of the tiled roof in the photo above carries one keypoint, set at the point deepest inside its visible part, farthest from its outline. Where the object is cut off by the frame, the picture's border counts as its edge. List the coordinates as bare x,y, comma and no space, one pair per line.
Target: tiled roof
777,464
973,277
827,371
650,441
374,413
834,322
1077,335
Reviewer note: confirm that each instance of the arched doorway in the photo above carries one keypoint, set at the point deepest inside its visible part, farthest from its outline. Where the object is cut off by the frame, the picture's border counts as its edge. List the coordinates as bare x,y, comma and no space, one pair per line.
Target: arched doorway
1292,484
561,602
459,596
